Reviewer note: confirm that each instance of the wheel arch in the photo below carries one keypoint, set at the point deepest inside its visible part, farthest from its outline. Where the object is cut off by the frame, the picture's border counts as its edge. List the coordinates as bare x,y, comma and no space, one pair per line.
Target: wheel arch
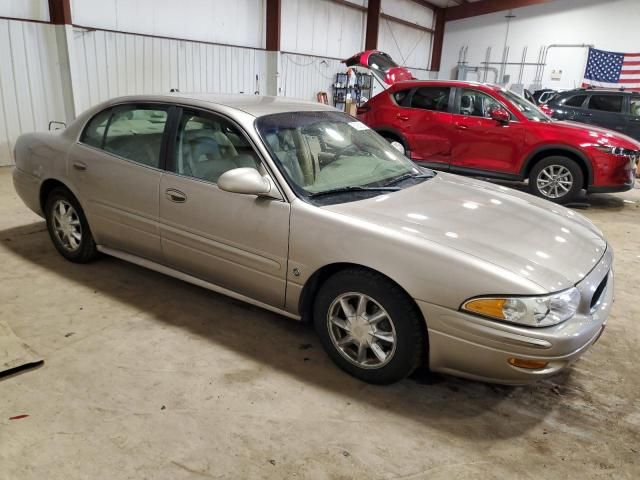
47,187
559,150
397,134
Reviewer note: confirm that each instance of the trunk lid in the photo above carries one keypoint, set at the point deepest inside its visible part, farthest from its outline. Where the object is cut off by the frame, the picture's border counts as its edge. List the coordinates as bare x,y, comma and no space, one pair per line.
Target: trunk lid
381,66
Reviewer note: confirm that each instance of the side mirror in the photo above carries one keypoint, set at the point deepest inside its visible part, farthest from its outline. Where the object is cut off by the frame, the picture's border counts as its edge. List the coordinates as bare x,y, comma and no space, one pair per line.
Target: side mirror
247,181
500,115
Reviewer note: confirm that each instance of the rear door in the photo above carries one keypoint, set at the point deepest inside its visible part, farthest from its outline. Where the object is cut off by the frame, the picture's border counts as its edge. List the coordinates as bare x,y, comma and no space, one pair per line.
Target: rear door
426,122
633,117
481,143
116,168
606,110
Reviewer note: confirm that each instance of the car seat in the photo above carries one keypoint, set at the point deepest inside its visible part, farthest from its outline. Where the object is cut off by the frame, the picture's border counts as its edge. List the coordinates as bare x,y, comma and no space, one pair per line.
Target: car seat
282,145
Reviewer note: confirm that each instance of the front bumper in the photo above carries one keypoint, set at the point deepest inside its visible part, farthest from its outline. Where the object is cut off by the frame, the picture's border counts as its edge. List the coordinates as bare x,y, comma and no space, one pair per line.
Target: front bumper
473,347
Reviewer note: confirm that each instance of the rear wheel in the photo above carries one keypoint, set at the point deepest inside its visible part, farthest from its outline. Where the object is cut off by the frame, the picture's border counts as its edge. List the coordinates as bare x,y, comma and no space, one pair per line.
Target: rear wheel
558,179
68,227
369,326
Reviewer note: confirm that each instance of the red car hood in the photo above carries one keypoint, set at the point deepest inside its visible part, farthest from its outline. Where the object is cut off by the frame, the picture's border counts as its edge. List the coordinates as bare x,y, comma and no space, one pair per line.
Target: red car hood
381,66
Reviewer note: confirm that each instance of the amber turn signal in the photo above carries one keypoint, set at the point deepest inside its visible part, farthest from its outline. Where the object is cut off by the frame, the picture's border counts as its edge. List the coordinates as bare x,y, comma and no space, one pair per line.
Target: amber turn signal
530,364
488,307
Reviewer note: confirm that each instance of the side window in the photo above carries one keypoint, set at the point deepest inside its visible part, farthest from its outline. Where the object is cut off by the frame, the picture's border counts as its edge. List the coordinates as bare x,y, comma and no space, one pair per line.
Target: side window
635,106
402,97
207,146
606,103
431,98
476,104
93,134
135,133
576,101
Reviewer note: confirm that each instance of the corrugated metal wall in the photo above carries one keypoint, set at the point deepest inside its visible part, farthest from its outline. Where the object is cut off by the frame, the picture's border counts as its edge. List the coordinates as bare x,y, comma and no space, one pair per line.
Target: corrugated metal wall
30,89
303,76
111,64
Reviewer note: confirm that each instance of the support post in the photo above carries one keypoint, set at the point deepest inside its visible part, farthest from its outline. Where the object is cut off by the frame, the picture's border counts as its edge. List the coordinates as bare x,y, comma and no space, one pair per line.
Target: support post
373,23
60,17
272,45
438,38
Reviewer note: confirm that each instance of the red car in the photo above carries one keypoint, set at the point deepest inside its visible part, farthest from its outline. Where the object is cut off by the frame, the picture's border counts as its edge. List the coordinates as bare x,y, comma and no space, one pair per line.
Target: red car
485,130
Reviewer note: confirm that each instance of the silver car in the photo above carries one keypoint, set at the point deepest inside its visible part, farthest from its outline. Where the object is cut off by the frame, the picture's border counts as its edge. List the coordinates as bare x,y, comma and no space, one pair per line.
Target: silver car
302,210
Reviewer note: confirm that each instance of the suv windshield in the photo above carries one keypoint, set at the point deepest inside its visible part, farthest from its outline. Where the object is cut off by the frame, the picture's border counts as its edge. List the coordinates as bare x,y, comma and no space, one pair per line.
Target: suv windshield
528,109
330,155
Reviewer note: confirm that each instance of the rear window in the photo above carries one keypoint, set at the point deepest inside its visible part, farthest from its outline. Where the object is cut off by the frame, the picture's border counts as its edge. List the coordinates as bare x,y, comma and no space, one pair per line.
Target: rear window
576,101
431,98
606,103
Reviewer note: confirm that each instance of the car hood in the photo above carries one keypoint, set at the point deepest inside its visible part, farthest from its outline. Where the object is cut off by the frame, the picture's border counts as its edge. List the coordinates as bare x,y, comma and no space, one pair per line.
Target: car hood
594,135
545,243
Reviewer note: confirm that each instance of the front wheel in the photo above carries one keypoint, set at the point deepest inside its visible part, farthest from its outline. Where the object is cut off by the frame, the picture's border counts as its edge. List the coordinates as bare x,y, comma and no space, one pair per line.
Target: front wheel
558,179
395,143
369,326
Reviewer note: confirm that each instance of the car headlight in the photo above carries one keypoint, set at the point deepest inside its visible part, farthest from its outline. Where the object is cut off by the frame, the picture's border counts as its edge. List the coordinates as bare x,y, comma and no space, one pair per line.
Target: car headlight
618,151
529,311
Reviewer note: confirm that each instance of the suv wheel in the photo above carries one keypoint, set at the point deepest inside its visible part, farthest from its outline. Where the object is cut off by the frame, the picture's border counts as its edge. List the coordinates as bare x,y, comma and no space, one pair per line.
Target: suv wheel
558,179
68,227
368,326
397,144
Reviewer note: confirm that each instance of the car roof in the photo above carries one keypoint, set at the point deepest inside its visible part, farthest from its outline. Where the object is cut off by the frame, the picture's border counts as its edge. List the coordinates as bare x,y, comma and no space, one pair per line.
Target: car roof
586,91
443,83
256,105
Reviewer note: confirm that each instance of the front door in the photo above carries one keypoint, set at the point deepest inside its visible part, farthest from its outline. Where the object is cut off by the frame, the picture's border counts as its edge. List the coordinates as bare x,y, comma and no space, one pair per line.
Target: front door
238,242
481,143
427,124
116,168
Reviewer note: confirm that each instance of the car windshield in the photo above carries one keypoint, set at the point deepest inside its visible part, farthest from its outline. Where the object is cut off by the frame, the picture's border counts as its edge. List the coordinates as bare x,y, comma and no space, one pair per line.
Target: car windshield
332,155
528,109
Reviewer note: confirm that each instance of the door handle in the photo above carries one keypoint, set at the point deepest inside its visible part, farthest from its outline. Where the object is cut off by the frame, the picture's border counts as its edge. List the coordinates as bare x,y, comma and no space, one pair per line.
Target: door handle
175,195
80,166
402,117
583,114
460,126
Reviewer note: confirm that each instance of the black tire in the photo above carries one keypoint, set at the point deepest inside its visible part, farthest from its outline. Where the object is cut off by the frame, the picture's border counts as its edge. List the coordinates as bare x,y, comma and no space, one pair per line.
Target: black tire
86,250
576,175
408,324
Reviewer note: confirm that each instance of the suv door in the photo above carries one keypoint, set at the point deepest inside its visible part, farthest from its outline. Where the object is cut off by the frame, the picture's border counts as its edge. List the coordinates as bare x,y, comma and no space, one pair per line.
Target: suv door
116,168
425,119
633,117
570,108
481,143
606,110
238,242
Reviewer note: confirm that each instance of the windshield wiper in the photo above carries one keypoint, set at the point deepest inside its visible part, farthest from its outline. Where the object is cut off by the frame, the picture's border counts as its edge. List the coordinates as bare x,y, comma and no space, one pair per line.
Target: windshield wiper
353,189
407,176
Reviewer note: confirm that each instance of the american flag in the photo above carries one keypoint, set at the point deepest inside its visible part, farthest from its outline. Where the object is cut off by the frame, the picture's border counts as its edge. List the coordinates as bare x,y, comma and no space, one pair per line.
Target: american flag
612,70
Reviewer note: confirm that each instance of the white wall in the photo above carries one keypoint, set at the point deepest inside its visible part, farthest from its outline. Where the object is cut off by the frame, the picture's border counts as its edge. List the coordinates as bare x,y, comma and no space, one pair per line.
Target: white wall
30,87
406,45
112,64
27,9
608,24
235,22
321,27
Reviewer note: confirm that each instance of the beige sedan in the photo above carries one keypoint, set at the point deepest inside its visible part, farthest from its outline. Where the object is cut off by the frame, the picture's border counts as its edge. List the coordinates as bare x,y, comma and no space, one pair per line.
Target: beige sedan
302,210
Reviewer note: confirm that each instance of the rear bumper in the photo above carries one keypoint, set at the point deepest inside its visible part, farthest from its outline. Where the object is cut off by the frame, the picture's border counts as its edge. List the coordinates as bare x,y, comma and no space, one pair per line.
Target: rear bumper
473,347
28,189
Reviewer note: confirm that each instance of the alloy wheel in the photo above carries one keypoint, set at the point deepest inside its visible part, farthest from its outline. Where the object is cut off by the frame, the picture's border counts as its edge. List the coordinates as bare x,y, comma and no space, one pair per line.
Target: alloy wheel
361,330
66,225
554,181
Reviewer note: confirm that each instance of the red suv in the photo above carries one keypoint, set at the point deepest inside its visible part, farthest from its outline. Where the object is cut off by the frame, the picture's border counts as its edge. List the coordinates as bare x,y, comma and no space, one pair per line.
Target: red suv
485,130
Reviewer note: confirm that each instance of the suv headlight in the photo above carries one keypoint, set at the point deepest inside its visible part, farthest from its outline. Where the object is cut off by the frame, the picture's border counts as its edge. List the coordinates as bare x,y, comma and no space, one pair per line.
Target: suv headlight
529,311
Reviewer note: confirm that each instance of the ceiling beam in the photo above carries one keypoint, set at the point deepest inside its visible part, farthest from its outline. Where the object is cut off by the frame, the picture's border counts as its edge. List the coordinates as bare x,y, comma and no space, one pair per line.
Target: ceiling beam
272,36
487,6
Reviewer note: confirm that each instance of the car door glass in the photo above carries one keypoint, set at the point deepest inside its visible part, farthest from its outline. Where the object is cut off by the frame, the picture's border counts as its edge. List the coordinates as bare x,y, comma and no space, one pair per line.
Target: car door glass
402,97
635,107
606,103
208,146
93,134
477,104
576,101
135,133
431,98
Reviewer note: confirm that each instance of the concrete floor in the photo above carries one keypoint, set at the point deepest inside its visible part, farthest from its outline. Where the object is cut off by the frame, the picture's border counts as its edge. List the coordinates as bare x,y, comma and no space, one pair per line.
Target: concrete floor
149,377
